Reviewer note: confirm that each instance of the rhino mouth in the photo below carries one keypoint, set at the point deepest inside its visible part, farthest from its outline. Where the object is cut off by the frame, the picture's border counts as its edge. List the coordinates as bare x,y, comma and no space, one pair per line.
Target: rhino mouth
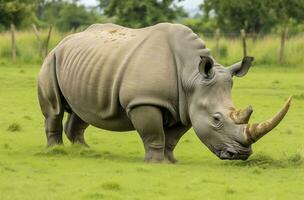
233,155
230,153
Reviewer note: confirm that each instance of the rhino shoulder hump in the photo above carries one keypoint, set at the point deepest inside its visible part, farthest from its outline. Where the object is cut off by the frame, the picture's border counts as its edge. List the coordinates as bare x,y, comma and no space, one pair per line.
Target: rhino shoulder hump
101,27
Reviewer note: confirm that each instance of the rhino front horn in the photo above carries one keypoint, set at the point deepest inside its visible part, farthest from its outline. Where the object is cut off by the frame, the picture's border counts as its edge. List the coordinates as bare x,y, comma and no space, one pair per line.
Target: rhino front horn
254,132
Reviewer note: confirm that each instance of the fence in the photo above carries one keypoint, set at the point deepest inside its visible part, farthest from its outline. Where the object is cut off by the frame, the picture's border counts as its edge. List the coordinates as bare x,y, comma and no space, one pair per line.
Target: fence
242,43
243,38
43,45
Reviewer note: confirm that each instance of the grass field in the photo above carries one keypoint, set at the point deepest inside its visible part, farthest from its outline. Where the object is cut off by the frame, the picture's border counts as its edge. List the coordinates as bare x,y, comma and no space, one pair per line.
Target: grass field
113,167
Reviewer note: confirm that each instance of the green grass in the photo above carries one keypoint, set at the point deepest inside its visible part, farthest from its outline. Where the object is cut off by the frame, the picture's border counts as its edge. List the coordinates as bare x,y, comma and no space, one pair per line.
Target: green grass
113,167
27,45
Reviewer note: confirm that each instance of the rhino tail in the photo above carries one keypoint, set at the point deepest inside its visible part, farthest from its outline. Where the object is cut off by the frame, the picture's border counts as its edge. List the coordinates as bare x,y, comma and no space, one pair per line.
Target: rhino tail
49,94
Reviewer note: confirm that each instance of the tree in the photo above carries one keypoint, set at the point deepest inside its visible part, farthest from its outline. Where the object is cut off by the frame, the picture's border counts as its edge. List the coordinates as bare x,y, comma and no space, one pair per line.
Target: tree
255,16
73,16
48,11
15,11
140,13
290,10
65,15
200,24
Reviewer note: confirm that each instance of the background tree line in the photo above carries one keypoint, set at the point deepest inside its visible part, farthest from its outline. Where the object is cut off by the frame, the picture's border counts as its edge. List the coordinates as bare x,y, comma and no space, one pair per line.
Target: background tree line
255,16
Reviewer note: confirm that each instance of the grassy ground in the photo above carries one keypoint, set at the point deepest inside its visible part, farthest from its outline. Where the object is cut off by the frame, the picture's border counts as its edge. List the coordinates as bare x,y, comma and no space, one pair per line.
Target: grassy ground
113,168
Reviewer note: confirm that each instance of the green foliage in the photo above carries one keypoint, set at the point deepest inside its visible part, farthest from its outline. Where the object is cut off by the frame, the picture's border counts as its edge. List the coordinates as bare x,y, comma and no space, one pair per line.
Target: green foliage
264,49
223,51
18,12
27,48
140,13
49,11
65,15
73,16
201,25
256,16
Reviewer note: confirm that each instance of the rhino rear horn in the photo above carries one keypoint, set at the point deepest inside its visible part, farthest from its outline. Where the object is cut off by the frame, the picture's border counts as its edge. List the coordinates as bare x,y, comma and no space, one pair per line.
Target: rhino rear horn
241,116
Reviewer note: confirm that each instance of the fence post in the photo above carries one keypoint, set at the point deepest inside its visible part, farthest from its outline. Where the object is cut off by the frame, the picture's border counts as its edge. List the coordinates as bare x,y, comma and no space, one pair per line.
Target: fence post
243,35
13,42
38,39
282,48
217,42
47,41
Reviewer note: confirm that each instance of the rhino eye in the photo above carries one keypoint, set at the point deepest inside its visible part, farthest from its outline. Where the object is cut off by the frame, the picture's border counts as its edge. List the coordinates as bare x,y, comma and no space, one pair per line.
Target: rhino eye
216,120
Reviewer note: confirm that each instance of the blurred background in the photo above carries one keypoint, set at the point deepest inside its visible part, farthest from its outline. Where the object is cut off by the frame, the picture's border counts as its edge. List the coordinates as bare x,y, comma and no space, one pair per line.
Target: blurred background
272,31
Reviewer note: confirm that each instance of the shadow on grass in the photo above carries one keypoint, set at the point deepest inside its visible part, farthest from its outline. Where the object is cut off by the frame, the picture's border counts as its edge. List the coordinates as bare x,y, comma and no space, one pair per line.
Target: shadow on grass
259,160
95,195
14,127
114,186
265,161
78,151
299,96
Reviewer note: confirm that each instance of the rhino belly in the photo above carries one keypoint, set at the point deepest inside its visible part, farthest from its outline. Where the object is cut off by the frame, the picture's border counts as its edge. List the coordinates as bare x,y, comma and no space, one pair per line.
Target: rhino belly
120,122
90,87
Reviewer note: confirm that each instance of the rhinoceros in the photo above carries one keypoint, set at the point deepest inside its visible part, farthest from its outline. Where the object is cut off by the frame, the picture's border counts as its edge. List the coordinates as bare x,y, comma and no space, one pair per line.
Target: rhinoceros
159,80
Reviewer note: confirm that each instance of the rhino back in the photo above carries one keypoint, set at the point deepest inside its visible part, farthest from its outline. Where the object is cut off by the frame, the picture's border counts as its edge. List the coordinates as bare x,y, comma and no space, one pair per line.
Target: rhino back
106,70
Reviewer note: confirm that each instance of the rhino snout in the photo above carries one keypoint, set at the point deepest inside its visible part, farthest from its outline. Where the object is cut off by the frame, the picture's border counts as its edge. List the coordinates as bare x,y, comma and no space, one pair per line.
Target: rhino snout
232,154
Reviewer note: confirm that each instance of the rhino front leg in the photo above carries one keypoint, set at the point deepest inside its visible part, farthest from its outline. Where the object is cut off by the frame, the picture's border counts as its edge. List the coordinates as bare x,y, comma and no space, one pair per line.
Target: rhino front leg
74,129
172,135
148,122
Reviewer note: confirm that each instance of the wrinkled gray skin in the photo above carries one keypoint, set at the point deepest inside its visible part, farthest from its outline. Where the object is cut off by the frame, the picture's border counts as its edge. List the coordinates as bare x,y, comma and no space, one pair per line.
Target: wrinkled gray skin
159,80
210,108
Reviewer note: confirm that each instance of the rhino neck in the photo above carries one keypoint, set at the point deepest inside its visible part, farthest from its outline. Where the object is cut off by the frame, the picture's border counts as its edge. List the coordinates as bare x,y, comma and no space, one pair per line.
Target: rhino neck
187,48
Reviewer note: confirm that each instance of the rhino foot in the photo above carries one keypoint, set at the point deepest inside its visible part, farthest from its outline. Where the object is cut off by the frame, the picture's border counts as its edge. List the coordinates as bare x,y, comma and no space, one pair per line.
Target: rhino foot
80,141
169,156
74,130
54,139
154,155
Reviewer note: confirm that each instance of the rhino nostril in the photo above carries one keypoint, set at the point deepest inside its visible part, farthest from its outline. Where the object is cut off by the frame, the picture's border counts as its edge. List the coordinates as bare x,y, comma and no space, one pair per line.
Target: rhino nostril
231,154
226,154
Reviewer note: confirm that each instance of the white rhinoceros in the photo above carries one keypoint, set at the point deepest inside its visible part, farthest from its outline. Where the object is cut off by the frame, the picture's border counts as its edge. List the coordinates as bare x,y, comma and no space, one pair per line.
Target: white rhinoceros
159,80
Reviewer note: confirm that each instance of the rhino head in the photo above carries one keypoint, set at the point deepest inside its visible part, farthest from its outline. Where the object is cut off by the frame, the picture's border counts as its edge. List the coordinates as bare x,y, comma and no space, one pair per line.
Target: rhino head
222,128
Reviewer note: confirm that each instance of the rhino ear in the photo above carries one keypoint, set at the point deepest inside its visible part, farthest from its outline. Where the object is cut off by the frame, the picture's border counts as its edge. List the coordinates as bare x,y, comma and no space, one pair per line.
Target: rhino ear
205,67
241,68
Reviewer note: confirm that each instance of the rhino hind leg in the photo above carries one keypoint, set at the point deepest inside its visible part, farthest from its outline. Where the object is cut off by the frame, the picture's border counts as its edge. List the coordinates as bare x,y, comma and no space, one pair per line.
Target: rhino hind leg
49,97
148,122
74,129
172,136
53,129
53,114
